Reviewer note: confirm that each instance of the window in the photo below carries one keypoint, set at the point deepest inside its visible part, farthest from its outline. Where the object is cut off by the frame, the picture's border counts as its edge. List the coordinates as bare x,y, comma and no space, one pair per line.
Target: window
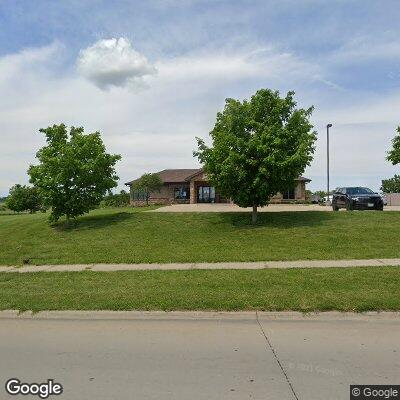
182,193
206,194
288,194
358,190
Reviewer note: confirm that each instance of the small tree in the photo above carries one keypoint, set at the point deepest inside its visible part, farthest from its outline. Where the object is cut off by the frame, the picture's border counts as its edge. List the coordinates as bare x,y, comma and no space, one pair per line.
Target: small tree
320,193
148,183
391,185
74,171
394,154
258,148
23,198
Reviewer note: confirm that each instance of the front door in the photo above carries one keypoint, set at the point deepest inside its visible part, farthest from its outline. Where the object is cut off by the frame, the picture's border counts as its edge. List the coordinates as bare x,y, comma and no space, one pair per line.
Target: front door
206,194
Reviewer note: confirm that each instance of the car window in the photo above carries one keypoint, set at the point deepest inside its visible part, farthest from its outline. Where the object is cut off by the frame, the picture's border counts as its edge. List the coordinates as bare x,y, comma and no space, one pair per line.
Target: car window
358,190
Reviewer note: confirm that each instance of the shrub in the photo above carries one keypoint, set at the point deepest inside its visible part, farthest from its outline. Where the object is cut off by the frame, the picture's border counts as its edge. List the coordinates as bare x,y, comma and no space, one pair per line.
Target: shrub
23,198
116,200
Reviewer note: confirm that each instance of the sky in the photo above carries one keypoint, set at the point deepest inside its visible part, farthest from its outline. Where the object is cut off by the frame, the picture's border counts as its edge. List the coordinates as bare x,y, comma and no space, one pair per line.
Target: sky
152,75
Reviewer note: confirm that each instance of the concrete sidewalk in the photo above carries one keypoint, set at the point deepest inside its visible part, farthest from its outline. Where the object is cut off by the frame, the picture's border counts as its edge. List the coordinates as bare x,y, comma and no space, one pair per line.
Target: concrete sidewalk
223,265
218,207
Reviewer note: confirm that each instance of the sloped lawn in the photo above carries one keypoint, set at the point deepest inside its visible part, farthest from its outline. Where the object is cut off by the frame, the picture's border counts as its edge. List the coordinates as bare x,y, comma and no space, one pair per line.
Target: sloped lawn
133,236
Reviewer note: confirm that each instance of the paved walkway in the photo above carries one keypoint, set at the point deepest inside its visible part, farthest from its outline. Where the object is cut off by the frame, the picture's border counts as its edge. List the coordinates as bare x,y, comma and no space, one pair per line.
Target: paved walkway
209,266
235,208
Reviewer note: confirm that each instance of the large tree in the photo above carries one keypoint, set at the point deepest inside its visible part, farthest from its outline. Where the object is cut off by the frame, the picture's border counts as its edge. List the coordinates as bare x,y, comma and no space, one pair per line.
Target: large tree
148,183
394,154
258,148
23,198
74,171
391,185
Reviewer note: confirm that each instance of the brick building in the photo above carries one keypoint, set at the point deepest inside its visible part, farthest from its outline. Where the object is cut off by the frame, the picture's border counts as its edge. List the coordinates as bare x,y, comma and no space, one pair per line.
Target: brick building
192,186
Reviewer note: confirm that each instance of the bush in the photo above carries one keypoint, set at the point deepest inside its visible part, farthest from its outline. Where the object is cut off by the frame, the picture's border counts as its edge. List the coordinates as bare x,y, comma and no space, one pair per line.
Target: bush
116,200
24,198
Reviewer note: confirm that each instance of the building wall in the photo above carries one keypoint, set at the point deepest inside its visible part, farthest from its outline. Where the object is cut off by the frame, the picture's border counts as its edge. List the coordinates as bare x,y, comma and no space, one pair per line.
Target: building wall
166,194
393,199
299,194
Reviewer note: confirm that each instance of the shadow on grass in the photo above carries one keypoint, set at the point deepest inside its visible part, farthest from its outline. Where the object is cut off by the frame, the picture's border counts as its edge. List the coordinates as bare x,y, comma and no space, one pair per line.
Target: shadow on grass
8,213
283,220
93,221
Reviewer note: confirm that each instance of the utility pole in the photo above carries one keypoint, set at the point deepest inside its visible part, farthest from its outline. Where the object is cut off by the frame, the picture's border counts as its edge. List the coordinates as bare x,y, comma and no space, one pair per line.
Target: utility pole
327,161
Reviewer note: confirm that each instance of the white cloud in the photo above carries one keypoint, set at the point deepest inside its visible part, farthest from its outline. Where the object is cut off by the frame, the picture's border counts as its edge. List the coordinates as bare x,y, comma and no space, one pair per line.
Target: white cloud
155,129
114,62
236,65
361,49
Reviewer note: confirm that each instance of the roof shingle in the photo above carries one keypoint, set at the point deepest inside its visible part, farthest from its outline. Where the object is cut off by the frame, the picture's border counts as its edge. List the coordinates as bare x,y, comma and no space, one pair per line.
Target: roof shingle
172,175
180,175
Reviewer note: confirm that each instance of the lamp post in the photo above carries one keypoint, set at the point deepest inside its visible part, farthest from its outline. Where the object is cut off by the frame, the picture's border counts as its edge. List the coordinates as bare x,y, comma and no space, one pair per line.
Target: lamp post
327,161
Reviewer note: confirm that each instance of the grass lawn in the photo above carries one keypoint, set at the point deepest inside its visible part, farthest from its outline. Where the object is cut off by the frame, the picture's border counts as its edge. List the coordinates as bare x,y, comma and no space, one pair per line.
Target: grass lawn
131,236
353,289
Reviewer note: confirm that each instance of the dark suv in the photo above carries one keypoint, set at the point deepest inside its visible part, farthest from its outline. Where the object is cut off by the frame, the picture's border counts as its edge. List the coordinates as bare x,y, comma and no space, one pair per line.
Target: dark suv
356,198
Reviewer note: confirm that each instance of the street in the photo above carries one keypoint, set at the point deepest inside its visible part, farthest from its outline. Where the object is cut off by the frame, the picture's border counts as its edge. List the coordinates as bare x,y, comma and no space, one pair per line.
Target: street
221,357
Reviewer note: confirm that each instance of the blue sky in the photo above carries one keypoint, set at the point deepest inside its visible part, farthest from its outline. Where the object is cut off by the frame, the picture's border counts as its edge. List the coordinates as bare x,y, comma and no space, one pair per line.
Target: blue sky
151,75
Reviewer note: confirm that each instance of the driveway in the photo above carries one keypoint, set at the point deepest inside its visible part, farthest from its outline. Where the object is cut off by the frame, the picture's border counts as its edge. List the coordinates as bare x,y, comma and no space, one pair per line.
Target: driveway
187,357
235,208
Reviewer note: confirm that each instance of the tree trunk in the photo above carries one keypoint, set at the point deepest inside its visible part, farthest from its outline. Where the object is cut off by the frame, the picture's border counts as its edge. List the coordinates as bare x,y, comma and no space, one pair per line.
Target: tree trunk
254,215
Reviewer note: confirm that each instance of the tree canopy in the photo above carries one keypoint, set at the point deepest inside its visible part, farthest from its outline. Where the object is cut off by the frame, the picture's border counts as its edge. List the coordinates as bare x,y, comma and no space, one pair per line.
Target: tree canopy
23,198
394,154
74,171
259,147
148,183
391,185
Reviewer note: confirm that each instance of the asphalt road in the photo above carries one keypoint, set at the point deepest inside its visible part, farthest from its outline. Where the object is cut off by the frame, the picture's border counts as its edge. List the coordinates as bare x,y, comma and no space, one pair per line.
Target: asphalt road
219,358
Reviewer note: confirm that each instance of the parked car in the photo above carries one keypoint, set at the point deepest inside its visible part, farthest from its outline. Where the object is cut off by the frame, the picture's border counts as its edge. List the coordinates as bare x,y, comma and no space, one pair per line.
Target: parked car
315,198
326,199
356,198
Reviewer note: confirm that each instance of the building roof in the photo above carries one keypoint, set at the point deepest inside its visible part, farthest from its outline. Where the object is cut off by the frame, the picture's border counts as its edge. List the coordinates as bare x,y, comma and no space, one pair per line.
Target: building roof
173,175
195,173
302,178
182,175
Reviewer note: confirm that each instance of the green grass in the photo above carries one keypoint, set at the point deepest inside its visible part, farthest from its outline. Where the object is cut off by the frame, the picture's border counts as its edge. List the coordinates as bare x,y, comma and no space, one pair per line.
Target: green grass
131,236
352,289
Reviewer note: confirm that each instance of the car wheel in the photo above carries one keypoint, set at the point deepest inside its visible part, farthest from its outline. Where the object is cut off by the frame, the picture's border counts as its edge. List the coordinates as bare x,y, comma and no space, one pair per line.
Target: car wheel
379,209
349,207
335,207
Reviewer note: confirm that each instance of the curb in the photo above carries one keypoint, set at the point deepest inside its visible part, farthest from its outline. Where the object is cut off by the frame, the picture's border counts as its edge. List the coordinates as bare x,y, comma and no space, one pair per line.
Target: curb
202,315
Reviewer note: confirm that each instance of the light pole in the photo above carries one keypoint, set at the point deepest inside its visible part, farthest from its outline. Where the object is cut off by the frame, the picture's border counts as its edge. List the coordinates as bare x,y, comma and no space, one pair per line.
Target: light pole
327,161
